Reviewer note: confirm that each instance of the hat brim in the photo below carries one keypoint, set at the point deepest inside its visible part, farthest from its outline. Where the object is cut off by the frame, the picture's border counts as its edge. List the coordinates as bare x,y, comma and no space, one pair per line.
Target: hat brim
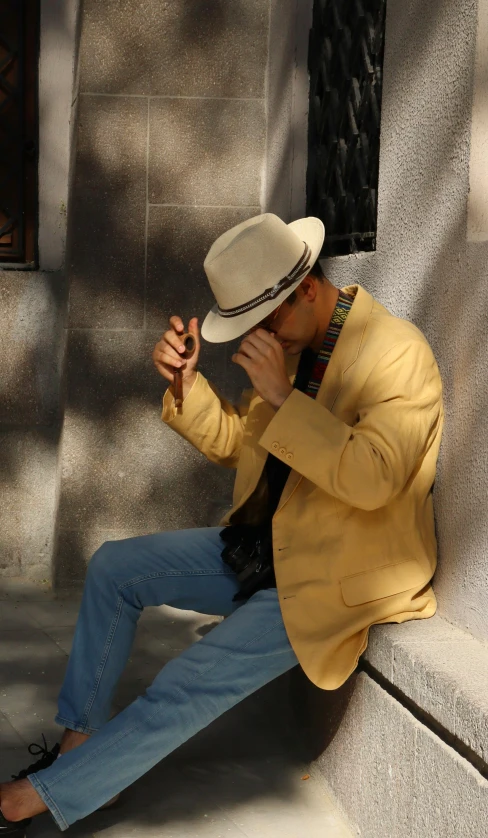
218,329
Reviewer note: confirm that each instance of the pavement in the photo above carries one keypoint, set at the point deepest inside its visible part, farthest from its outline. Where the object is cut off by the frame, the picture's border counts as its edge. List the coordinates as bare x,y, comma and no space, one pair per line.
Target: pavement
239,777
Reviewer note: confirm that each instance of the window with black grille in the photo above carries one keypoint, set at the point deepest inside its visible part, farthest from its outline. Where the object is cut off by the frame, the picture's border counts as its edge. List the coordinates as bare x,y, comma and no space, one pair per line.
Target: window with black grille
19,28
345,64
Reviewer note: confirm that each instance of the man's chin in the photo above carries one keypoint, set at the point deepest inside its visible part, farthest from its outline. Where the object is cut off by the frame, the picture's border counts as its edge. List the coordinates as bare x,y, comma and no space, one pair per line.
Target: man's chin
291,348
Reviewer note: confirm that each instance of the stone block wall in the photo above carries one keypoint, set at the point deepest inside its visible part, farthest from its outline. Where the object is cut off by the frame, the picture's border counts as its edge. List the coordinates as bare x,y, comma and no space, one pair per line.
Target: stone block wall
161,126
170,150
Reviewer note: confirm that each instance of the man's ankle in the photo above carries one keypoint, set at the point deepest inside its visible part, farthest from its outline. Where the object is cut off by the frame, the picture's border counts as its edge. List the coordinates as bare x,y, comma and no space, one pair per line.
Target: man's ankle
19,800
72,739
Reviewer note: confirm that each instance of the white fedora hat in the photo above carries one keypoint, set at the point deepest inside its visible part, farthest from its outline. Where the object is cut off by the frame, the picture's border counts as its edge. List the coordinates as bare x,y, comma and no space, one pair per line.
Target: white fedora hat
253,267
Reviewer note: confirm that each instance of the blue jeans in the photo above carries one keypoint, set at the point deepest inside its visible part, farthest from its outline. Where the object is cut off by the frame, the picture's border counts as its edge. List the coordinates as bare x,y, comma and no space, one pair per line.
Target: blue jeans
183,569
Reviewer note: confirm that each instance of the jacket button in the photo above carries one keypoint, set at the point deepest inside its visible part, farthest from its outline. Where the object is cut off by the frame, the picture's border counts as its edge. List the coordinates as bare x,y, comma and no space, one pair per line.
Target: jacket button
282,451
289,457
275,446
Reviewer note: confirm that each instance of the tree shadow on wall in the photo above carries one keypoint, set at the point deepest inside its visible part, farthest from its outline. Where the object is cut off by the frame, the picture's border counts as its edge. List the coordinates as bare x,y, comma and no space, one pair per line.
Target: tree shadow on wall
129,270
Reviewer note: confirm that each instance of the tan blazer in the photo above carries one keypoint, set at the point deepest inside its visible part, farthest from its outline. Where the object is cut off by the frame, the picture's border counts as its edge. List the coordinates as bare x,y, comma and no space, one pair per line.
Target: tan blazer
353,535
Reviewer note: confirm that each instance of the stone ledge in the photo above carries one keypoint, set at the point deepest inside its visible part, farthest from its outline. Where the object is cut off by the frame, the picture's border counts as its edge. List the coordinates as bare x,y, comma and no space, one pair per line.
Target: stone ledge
443,670
394,778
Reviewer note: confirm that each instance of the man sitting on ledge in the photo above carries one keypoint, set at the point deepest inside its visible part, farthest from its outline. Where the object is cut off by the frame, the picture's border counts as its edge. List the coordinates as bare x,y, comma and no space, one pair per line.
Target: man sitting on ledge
332,528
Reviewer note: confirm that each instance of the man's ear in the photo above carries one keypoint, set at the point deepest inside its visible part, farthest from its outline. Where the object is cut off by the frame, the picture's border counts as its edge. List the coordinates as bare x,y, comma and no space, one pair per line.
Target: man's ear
308,287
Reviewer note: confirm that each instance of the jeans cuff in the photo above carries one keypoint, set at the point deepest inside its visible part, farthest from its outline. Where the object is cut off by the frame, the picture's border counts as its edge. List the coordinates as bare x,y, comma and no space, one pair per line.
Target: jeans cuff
89,731
46,797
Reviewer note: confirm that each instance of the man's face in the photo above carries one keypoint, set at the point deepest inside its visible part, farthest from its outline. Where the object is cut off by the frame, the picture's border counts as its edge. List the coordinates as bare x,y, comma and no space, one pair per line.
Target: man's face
291,323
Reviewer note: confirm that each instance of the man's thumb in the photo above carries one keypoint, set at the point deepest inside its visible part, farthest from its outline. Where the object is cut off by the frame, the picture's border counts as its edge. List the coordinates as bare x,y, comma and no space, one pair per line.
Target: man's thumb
194,329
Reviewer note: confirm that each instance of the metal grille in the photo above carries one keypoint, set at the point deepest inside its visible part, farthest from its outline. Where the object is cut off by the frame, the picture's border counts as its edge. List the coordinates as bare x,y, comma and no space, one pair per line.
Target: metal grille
19,21
345,63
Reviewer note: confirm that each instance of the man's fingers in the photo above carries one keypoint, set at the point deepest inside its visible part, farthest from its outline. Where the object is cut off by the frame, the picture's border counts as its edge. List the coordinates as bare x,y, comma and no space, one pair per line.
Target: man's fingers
265,336
194,330
193,327
255,347
176,323
248,349
170,358
173,340
243,362
165,348
263,344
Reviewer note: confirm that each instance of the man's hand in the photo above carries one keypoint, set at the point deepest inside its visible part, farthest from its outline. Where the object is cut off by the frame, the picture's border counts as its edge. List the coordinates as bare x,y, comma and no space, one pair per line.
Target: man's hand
262,357
168,351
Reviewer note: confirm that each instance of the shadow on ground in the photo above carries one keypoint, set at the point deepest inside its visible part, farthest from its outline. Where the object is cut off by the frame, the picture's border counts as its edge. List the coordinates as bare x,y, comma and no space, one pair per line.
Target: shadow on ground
242,775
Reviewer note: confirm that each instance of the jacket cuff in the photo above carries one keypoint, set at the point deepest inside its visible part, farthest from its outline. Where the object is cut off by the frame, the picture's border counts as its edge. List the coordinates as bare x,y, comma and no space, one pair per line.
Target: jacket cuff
192,404
299,427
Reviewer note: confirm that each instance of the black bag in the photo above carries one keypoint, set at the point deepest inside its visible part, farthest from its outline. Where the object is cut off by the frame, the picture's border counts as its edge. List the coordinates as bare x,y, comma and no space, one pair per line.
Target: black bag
249,553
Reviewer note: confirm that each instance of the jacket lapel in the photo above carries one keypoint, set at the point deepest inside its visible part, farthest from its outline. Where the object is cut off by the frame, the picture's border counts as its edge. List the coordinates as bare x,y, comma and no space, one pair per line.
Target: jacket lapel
344,355
291,364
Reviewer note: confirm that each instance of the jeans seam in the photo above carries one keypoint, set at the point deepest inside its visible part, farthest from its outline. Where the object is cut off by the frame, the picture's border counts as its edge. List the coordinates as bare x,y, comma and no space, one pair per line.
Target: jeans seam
68,723
115,622
46,797
101,666
162,574
149,718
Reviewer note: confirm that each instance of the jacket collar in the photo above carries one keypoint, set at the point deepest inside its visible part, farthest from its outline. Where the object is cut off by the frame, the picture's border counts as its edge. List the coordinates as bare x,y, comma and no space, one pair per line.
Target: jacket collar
346,350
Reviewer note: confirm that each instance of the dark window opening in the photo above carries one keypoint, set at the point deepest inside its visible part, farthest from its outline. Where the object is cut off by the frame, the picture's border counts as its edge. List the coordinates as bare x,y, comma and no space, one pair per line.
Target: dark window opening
345,64
19,50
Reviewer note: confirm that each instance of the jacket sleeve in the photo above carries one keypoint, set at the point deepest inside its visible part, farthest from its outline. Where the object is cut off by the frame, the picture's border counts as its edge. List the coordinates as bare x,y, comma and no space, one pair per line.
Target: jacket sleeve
367,464
212,424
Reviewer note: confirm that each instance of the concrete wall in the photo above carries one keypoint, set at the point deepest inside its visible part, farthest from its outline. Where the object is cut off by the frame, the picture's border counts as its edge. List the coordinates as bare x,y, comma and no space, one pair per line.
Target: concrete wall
157,132
395,778
171,143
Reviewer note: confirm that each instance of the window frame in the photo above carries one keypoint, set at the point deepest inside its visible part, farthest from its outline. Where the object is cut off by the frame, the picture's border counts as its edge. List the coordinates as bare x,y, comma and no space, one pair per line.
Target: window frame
346,52
20,250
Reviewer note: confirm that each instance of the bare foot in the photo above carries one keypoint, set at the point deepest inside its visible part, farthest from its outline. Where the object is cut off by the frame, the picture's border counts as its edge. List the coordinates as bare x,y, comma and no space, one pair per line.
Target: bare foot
19,800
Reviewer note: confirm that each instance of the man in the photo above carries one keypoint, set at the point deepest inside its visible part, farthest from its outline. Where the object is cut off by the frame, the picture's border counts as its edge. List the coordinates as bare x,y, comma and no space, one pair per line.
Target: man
332,528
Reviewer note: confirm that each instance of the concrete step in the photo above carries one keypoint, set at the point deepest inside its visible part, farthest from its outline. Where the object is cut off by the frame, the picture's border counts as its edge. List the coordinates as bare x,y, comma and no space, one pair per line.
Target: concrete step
235,779
393,777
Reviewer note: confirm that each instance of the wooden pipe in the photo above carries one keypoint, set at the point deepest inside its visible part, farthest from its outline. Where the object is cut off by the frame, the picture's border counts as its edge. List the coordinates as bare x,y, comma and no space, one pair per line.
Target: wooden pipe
189,343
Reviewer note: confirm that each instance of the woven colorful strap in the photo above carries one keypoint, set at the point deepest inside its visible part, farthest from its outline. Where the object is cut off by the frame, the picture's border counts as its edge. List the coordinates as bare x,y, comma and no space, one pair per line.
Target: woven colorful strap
339,317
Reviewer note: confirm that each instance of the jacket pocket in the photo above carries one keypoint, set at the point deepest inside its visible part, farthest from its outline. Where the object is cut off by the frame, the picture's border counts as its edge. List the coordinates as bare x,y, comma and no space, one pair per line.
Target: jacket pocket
388,580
